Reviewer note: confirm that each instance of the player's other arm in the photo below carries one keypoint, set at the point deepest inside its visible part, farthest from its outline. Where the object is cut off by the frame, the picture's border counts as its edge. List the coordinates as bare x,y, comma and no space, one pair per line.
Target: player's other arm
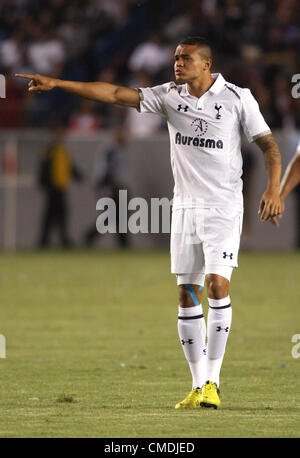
98,91
271,203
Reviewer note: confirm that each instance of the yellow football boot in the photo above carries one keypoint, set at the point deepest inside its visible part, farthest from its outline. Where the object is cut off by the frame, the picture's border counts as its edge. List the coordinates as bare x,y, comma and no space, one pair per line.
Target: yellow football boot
192,401
210,395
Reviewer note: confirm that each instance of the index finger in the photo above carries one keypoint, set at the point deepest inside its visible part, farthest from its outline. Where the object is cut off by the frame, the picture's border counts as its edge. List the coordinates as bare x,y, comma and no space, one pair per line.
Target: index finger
25,75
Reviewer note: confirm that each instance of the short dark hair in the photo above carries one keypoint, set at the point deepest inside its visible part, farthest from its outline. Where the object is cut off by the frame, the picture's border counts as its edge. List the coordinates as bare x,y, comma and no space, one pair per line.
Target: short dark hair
201,42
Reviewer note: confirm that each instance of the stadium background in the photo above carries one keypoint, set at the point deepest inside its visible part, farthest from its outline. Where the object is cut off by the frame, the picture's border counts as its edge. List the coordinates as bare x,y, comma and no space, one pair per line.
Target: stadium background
91,336
131,43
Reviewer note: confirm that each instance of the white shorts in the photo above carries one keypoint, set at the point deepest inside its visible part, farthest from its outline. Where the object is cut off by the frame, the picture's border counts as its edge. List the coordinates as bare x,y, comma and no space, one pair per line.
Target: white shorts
203,237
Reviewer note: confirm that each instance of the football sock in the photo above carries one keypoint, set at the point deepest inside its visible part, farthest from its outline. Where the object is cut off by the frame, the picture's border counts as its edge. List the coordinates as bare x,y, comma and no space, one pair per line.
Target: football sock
192,335
218,327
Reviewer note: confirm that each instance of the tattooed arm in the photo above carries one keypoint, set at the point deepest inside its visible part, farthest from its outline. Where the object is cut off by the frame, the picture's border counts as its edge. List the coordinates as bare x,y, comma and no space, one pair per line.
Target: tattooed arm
271,204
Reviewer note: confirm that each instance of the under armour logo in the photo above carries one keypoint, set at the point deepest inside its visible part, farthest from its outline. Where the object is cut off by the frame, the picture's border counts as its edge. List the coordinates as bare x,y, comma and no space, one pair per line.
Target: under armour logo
225,255
180,107
218,108
219,328
189,341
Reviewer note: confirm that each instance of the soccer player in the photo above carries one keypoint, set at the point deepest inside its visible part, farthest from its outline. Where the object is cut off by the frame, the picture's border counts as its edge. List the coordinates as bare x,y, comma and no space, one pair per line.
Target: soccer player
290,180
204,114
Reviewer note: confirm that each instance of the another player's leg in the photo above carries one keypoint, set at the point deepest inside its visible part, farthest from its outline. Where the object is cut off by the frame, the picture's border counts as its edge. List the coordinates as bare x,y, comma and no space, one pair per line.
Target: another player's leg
192,335
218,327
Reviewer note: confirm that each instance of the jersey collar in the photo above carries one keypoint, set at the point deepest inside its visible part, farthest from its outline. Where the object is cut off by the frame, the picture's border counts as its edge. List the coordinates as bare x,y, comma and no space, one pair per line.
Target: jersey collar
218,84
216,87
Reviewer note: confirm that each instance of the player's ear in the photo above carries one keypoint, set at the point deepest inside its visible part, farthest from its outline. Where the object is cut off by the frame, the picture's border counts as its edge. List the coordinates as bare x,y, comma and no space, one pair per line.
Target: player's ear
207,63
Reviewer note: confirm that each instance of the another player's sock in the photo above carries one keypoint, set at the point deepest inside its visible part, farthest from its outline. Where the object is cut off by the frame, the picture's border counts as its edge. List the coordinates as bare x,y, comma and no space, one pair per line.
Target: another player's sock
192,334
218,327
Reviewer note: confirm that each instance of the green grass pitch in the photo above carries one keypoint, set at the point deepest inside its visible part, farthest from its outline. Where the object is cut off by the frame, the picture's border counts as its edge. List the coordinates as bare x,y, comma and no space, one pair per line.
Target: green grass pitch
92,348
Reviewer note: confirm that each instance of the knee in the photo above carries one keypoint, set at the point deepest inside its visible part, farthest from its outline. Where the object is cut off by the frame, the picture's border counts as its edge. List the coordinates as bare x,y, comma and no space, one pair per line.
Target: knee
217,286
183,296
186,299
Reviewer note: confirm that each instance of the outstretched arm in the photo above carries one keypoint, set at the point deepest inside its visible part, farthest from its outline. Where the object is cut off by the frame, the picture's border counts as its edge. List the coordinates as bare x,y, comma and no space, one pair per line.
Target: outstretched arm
100,92
271,203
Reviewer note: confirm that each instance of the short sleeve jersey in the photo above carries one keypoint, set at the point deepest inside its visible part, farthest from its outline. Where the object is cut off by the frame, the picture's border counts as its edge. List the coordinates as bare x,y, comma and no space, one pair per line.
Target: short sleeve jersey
205,139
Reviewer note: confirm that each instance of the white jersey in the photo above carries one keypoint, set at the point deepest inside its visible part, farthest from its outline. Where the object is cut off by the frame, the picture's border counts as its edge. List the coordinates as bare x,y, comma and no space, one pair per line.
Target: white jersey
205,139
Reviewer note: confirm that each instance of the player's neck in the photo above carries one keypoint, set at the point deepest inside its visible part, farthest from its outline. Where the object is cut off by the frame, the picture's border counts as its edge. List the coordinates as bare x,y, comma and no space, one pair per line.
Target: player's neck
197,88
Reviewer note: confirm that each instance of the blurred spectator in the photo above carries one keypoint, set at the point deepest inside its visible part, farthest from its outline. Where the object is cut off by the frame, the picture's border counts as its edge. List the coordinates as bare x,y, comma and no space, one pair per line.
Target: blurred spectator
11,51
85,119
55,175
151,56
272,113
283,100
115,10
46,53
179,26
109,178
75,37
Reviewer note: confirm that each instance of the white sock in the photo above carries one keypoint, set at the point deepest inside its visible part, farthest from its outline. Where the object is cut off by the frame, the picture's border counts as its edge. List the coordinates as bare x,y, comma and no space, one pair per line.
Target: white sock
192,334
218,327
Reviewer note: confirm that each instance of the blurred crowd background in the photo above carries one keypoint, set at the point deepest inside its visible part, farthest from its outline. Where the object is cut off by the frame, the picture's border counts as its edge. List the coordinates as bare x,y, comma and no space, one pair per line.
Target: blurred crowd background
128,42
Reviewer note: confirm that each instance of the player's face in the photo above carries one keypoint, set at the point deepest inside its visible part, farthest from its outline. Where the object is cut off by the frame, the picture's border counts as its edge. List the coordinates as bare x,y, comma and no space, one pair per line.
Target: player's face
188,64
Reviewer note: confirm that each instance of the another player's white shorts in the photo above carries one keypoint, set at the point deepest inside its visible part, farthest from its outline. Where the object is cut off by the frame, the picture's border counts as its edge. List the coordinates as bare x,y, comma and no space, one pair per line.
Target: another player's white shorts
202,237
